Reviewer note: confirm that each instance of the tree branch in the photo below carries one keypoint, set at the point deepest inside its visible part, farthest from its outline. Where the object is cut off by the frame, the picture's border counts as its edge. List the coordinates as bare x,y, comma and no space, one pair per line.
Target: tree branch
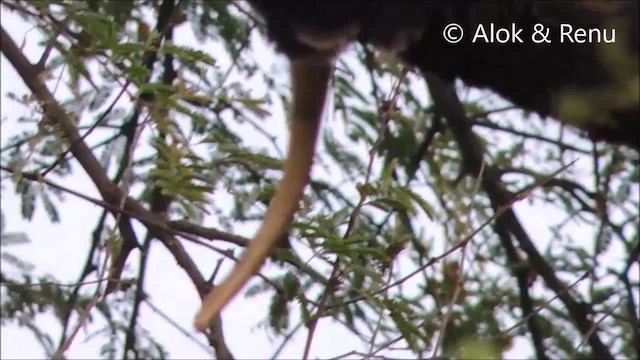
109,191
446,100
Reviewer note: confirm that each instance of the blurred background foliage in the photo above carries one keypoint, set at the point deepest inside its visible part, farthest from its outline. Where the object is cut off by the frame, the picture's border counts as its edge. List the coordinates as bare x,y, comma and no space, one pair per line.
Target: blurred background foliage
188,130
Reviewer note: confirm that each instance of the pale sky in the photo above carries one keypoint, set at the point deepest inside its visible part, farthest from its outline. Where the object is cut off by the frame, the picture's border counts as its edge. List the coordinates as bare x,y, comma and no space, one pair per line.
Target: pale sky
60,249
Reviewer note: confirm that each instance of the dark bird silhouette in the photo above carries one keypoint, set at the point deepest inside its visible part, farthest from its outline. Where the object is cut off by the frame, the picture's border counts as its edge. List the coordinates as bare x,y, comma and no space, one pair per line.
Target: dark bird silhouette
537,77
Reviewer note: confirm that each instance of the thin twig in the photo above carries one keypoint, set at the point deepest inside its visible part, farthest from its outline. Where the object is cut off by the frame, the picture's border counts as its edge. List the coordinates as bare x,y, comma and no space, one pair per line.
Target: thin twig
177,326
545,305
376,330
333,279
459,274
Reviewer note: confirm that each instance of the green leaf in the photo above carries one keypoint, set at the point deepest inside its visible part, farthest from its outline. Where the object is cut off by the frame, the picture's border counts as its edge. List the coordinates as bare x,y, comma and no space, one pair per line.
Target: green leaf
101,28
158,90
368,189
416,198
187,53
279,314
50,208
406,328
127,49
291,285
28,199
388,204
387,174
14,238
345,88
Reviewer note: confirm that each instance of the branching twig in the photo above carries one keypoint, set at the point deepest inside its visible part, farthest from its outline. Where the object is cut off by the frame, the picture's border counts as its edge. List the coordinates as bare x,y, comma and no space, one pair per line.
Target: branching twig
446,100
333,278
459,275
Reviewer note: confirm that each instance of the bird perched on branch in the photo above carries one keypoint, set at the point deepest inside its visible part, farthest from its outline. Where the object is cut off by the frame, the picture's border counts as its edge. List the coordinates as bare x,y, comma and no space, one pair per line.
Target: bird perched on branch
573,74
